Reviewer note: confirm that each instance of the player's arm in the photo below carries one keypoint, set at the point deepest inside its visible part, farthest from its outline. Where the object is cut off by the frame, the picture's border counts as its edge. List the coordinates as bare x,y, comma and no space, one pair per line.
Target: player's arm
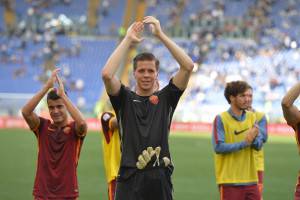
111,82
263,129
262,136
290,111
30,117
258,141
181,78
218,139
80,124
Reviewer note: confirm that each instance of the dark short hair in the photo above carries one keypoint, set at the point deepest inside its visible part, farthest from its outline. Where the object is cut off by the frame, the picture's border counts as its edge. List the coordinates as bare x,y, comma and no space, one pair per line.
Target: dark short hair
234,88
145,56
52,94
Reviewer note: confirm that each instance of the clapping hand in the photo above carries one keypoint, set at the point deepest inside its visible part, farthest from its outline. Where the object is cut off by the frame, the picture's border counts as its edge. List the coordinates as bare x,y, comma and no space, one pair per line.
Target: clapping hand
135,31
154,25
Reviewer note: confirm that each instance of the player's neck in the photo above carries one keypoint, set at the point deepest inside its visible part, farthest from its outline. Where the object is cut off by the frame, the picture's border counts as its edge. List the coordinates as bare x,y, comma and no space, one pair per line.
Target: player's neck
141,92
236,111
61,124
250,109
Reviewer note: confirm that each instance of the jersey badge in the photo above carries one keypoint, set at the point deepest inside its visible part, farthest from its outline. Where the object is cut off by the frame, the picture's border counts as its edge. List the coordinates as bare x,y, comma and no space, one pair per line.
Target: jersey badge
154,99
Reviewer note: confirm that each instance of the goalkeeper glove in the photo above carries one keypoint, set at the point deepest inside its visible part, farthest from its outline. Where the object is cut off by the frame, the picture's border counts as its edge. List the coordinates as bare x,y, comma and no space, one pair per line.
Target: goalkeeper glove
145,157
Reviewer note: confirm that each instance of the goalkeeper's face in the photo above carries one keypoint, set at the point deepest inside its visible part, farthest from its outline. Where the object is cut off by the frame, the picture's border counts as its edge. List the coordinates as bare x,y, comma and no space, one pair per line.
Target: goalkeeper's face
146,76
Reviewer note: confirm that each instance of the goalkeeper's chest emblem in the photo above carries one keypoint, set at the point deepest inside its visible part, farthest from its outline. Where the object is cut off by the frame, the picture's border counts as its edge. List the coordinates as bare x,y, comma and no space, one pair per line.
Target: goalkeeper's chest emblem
241,131
154,99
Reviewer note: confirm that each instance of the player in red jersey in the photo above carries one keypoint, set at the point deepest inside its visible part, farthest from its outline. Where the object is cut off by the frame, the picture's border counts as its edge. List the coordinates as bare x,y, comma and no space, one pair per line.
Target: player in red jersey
292,116
59,142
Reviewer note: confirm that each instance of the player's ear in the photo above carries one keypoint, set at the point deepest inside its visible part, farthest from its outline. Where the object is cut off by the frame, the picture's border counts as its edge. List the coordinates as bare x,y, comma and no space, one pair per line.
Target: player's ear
231,98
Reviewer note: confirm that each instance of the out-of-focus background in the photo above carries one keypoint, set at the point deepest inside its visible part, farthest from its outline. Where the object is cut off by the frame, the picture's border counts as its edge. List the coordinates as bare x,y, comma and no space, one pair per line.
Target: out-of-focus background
253,40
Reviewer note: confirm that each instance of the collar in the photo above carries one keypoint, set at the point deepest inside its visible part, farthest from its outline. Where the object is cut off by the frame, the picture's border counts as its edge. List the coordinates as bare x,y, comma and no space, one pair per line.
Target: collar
54,127
238,118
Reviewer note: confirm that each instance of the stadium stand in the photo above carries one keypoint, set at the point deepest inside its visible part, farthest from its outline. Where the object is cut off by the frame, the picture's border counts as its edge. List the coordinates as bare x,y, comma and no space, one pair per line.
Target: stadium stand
255,41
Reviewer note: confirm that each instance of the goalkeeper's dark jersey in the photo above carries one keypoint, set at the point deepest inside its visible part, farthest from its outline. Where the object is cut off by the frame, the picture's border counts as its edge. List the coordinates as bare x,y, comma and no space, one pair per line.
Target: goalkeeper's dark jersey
144,121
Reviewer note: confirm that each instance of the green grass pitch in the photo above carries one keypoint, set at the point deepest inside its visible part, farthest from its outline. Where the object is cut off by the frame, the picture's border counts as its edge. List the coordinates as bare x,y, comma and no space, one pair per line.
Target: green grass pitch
192,154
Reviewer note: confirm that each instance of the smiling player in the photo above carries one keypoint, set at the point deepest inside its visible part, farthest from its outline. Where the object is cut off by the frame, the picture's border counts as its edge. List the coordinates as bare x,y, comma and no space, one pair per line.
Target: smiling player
235,138
59,142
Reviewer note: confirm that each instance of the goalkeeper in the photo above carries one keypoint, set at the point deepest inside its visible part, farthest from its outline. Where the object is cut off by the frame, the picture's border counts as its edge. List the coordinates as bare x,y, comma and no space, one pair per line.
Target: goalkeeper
145,115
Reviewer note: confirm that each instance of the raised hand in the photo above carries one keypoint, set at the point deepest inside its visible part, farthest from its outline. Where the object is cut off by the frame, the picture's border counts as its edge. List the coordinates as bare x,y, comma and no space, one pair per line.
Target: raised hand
154,25
61,88
135,31
52,79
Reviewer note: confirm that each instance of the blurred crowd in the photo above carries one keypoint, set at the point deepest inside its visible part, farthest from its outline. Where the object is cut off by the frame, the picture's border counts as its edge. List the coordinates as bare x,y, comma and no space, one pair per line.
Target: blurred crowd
230,40
253,40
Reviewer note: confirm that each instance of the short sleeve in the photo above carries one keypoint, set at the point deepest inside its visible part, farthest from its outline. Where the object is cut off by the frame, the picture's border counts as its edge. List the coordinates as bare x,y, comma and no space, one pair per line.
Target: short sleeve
117,100
174,94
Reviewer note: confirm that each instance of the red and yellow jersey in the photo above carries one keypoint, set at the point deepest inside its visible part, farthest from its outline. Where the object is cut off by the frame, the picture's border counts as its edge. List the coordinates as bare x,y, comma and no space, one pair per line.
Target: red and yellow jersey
58,154
240,166
110,146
